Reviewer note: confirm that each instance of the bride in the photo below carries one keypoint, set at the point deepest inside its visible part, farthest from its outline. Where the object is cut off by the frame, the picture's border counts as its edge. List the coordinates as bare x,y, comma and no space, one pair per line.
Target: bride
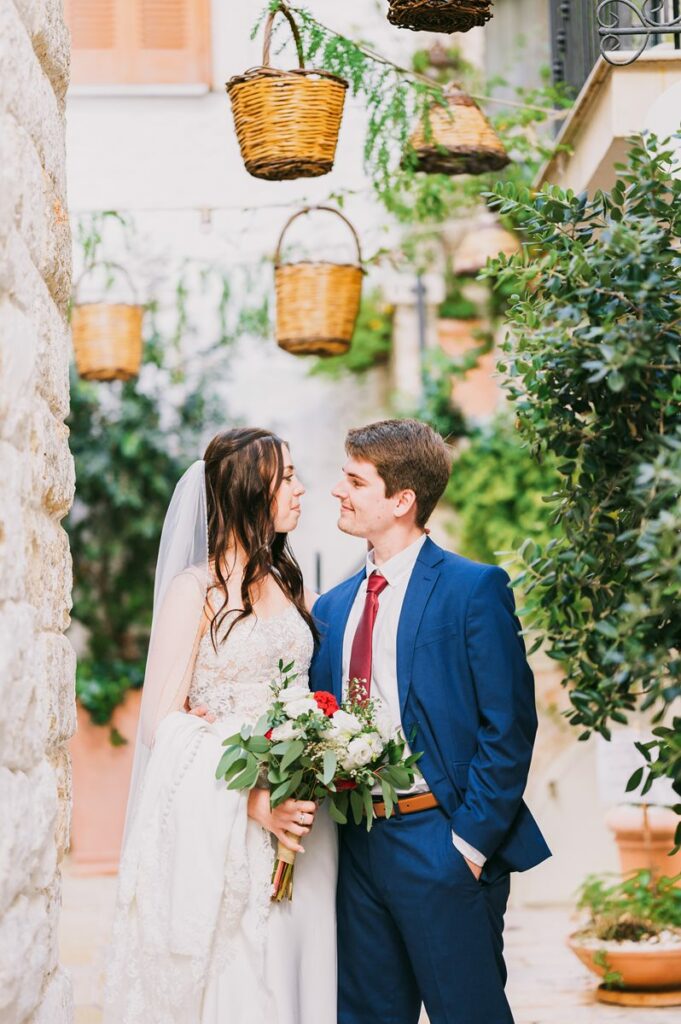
195,937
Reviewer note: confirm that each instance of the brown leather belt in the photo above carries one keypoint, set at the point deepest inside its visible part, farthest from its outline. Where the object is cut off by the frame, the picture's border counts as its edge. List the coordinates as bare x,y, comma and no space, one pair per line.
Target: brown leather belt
408,804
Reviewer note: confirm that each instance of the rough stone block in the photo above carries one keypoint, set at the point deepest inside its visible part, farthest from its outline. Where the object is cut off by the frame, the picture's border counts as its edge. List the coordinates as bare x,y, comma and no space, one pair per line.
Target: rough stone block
24,727
48,571
25,188
56,1006
28,95
33,207
14,471
44,23
60,760
20,279
54,476
29,803
25,951
57,668
17,364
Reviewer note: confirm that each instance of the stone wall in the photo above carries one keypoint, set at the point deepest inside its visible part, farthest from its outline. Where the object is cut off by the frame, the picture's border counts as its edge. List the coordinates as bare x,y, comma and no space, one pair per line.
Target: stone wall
37,708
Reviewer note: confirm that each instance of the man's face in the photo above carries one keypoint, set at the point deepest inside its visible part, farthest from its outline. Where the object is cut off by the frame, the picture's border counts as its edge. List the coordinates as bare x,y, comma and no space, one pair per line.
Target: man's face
364,509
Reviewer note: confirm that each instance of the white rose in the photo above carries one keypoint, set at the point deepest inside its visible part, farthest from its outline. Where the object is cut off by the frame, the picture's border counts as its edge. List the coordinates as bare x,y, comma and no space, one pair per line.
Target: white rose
296,708
293,693
375,742
384,725
344,725
287,731
358,754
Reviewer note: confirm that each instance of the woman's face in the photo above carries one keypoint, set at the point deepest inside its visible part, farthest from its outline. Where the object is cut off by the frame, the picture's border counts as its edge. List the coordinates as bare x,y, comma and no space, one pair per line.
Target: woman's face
287,497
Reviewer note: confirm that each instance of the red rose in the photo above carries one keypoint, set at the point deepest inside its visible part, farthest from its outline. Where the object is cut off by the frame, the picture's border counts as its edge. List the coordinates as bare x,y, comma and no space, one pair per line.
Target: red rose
326,702
345,784
268,734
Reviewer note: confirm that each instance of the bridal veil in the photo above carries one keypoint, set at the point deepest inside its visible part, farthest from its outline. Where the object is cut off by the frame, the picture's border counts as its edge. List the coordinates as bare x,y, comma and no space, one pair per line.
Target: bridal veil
180,587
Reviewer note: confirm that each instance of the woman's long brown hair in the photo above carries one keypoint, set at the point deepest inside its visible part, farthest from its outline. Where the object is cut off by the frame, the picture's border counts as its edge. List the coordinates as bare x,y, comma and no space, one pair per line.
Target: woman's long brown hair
244,468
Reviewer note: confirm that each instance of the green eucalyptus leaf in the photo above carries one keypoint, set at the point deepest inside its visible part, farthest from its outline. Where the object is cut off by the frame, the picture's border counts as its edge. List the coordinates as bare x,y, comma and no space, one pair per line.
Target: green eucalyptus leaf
330,764
295,749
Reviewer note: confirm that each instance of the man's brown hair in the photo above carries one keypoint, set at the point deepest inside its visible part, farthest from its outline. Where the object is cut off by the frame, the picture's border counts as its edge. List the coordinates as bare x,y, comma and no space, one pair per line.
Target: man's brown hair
407,454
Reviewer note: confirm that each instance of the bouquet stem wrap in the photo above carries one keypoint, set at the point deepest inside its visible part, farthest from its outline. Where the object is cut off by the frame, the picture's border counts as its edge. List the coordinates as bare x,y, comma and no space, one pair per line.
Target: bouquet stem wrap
282,875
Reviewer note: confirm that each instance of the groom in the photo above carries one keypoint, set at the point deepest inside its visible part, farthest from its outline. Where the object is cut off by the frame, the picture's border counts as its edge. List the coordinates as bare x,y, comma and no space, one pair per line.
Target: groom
421,897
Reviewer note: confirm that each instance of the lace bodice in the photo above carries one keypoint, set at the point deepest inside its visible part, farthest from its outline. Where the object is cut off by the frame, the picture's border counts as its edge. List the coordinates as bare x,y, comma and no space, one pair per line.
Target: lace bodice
236,679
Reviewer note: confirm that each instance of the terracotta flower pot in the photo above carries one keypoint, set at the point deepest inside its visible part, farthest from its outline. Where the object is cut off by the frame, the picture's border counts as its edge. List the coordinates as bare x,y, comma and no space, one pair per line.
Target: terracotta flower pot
643,966
101,778
644,837
478,393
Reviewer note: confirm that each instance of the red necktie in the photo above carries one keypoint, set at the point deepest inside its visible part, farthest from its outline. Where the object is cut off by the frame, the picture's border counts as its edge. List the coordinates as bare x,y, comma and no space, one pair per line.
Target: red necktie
360,657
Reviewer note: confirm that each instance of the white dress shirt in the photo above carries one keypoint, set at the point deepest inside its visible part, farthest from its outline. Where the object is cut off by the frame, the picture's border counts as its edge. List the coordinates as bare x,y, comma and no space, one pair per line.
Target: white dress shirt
397,571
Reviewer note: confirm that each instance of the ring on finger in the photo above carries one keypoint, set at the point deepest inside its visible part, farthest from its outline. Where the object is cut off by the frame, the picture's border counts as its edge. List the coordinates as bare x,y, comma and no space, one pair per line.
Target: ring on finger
301,818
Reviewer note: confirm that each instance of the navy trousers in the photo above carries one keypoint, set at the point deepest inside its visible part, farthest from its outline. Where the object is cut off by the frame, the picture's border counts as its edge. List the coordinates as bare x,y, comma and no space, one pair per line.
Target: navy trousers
415,926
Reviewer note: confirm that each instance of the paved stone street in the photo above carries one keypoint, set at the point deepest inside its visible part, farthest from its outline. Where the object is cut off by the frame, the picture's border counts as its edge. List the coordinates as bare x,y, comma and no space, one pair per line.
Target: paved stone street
547,983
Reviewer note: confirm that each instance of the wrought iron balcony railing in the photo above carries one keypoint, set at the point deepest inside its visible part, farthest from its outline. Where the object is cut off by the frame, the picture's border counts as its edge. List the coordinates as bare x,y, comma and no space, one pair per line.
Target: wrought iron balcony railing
619,29
574,40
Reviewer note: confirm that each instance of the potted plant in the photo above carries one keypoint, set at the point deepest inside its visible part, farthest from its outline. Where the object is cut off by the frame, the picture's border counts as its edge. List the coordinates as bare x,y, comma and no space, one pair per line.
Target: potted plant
632,938
458,318
644,834
498,491
109,694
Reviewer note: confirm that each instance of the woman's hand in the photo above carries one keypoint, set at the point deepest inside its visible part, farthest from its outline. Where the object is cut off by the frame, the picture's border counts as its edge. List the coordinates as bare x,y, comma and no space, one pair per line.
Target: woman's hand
200,711
288,820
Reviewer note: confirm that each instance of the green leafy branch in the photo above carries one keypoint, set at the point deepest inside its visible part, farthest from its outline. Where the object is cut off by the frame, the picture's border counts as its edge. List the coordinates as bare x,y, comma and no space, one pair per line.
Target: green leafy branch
593,365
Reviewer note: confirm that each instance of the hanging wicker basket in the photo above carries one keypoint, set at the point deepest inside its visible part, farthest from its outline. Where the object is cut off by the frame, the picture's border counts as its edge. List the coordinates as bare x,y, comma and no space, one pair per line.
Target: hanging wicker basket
460,140
439,15
317,302
107,336
487,241
287,122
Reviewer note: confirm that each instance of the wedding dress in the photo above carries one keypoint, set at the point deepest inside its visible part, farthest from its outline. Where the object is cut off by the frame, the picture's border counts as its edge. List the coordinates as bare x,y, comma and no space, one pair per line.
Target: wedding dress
196,939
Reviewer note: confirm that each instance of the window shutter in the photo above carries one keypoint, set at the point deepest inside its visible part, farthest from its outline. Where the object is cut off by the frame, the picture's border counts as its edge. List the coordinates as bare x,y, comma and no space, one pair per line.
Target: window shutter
143,42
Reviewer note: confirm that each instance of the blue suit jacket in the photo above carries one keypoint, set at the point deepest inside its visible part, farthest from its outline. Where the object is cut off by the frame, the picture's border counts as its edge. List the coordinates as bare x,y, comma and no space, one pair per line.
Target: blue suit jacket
466,694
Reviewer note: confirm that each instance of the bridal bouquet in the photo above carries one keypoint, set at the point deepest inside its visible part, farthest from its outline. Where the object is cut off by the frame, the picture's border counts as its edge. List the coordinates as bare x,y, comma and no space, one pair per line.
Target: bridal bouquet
308,747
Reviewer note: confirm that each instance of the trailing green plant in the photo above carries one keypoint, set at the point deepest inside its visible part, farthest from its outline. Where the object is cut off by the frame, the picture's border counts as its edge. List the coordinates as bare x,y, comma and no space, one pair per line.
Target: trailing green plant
594,369
499,491
611,978
129,453
450,64
633,908
436,405
102,685
371,341
396,99
107,242
455,305
131,442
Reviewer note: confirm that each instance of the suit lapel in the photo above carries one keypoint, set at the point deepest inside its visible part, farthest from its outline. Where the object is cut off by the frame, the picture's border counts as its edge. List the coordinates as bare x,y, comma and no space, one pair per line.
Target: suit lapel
337,631
423,578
